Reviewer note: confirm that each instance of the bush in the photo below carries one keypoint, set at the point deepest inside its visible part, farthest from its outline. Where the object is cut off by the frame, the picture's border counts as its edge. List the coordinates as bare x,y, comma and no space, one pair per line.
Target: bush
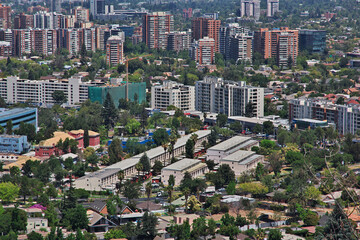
81,193
277,207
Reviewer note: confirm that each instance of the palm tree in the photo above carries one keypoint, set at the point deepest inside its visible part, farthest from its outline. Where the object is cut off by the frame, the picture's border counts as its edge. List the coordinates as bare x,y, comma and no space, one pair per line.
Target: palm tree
170,190
186,192
173,139
165,146
121,176
148,191
139,167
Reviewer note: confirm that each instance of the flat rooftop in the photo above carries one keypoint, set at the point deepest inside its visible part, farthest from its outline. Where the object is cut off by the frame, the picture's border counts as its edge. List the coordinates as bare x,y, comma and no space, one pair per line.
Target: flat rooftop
310,120
14,111
238,156
230,143
182,165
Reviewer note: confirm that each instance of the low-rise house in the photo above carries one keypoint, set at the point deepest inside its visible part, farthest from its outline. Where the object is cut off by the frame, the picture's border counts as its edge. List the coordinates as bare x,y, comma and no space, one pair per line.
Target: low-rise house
99,223
195,167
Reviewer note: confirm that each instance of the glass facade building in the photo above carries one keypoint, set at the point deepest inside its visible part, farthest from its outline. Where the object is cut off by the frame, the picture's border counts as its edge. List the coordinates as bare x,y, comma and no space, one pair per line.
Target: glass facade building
313,41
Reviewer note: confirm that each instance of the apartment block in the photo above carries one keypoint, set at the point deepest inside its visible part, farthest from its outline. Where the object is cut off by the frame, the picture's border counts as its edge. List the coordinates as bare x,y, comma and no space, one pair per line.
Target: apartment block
5,13
228,31
217,95
22,41
5,49
272,7
155,28
279,44
240,48
15,90
82,14
115,51
173,94
206,27
23,21
250,8
44,41
44,20
179,41
203,51
14,144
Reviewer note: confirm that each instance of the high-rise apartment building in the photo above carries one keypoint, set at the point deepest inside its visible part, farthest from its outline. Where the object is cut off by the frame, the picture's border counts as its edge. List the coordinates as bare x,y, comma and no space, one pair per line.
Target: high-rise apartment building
206,27
250,8
178,41
279,44
44,20
23,21
313,41
44,41
81,14
5,49
73,39
15,90
22,40
5,14
217,95
173,94
100,37
155,28
6,35
115,51
203,51
240,48
272,7
56,6
97,7
226,33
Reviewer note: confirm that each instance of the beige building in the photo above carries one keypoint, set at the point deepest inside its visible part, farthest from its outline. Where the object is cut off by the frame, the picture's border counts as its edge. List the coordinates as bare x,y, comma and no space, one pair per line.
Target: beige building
225,148
178,169
107,178
242,161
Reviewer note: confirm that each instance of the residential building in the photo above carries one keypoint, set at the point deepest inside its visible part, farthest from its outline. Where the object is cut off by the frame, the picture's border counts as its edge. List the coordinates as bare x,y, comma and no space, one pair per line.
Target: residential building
225,148
106,178
217,95
179,41
6,35
97,7
178,169
73,39
56,6
155,28
100,40
136,92
15,90
22,42
44,20
312,41
14,144
94,138
206,27
203,51
5,49
44,41
23,21
250,8
5,13
242,161
115,51
280,44
173,94
240,48
18,115
272,7
81,14
226,33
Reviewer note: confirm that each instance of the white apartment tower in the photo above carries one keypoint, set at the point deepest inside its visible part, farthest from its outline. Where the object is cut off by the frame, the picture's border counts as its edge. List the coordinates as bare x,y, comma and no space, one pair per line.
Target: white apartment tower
272,7
172,93
250,8
228,97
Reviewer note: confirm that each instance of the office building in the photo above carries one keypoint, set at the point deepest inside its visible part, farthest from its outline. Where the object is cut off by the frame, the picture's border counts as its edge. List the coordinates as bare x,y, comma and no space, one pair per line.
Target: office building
272,7
5,14
5,49
203,51
136,91
313,41
225,148
106,178
115,51
242,161
217,95
226,32
173,94
155,28
240,48
14,144
23,21
15,90
97,7
250,8
82,14
179,41
279,44
18,115
206,27
178,169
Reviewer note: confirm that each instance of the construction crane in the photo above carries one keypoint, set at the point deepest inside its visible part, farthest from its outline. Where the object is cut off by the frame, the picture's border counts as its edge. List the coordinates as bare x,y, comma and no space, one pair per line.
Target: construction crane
127,73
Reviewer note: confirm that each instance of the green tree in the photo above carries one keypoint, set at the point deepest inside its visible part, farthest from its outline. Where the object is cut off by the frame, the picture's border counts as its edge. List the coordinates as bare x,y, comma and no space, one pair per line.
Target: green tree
114,233
76,217
115,151
8,191
34,236
157,167
253,188
160,137
109,112
249,109
9,127
148,226
221,120
28,130
133,126
86,138
275,234
199,228
230,189
275,162
189,148
257,128
259,171
145,161
59,97
131,190
268,127
213,138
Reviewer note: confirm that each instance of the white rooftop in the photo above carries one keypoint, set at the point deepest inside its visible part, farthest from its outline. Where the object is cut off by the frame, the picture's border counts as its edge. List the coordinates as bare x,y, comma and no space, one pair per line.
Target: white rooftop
182,164
230,143
238,156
